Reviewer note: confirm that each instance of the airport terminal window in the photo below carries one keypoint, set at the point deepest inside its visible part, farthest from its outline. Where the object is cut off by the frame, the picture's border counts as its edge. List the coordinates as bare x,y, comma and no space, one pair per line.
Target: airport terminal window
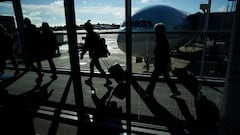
39,14
157,108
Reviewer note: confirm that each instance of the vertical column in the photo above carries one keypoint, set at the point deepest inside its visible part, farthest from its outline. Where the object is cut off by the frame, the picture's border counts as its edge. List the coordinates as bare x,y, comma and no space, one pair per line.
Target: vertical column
205,36
74,58
129,62
19,19
229,114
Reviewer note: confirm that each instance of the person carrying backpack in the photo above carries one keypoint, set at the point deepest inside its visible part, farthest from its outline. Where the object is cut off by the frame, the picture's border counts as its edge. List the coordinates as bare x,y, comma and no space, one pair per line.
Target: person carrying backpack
92,45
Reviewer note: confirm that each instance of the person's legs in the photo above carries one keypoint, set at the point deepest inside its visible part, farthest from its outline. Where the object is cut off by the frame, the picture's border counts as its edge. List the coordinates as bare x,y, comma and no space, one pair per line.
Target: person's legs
171,85
29,63
39,69
154,76
89,81
2,64
150,87
98,66
15,65
53,67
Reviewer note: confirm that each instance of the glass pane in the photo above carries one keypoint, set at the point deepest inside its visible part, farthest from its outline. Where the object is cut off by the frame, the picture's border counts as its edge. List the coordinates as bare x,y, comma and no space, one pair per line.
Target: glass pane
106,22
105,18
51,12
199,51
185,25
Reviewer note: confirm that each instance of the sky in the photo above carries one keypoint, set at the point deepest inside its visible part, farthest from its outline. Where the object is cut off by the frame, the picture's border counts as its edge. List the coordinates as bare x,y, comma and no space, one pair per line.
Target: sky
99,11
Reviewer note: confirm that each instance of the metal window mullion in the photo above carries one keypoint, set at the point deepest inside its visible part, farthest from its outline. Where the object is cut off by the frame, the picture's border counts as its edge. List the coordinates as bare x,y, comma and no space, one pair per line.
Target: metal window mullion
205,39
19,19
229,111
74,58
129,62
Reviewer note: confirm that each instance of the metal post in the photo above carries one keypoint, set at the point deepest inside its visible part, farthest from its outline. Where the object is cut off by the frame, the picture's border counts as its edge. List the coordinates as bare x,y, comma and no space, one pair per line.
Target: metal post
74,59
129,62
205,39
229,113
19,19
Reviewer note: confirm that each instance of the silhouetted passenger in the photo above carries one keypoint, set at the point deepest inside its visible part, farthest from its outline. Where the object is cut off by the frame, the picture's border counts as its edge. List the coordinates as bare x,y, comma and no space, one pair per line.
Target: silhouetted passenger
162,61
6,50
32,42
91,45
49,43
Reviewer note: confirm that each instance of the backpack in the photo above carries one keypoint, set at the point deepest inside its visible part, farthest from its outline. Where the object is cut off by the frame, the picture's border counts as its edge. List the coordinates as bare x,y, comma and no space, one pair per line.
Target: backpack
102,48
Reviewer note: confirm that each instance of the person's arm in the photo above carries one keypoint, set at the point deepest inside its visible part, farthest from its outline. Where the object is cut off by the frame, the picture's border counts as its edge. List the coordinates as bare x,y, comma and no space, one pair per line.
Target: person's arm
108,52
84,49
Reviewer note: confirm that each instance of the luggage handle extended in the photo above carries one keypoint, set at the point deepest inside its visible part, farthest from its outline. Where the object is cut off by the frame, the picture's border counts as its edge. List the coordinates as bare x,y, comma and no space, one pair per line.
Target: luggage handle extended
105,63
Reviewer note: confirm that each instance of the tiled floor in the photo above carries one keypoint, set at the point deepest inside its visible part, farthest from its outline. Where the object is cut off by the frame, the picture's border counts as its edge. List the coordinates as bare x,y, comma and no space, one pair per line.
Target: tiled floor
54,104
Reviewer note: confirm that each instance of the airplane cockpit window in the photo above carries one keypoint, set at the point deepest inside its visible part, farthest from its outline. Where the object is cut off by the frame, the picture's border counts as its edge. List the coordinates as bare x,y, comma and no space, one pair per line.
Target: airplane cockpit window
140,24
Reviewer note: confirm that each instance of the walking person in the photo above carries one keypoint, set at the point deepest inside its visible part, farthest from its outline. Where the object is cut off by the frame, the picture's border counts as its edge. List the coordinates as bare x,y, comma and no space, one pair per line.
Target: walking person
7,51
162,61
92,46
32,42
49,43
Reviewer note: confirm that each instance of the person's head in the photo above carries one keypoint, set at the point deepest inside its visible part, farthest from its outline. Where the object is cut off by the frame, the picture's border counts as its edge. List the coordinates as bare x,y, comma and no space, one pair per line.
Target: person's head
2,29
45,26
159,29
88,26
27,21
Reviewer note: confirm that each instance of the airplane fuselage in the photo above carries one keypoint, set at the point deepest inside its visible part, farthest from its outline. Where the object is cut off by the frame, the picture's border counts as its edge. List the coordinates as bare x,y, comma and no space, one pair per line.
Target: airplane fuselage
143,44
143,37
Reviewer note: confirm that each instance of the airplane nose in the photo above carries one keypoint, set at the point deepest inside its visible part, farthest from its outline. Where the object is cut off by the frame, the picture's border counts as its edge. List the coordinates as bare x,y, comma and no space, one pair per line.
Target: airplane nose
121,40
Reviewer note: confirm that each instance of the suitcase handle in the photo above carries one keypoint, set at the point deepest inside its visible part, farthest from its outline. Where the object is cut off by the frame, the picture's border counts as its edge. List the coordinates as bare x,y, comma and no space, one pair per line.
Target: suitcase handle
105,62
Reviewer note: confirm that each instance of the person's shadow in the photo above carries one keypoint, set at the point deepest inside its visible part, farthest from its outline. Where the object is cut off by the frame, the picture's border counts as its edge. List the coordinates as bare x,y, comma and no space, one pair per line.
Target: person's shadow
190,120
161,115
15,116
107,113
37,96
207,113
17,111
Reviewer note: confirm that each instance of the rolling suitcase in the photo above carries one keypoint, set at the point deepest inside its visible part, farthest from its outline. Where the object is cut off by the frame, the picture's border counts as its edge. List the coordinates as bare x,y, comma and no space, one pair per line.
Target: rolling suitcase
117,72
